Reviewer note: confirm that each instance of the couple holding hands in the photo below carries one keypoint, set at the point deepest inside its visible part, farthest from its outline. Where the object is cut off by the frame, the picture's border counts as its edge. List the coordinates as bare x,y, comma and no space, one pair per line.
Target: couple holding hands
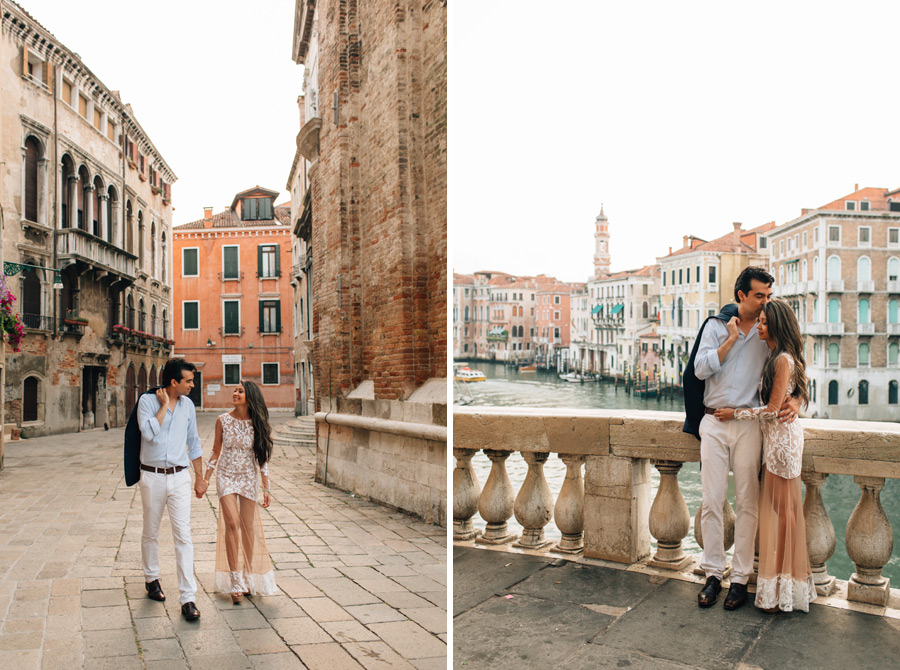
162,425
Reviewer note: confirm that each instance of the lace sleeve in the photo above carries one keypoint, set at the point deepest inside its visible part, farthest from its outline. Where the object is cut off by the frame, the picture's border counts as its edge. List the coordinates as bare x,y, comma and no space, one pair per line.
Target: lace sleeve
265,469
754,412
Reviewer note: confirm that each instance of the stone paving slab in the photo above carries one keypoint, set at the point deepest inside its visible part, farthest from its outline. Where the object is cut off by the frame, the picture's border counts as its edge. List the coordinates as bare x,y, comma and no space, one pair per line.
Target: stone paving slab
552,613
362,586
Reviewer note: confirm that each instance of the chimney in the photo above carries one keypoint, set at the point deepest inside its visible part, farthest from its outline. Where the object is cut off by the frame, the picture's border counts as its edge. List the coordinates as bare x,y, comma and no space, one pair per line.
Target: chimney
855,187
687,241
670,251
207,213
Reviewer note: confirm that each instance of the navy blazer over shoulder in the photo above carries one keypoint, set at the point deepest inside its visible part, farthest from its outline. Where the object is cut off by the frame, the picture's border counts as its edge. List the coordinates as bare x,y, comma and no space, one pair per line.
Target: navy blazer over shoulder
694,388
133,443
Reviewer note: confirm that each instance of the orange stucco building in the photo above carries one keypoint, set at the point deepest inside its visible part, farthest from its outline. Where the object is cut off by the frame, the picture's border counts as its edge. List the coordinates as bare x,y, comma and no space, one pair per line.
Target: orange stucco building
233,304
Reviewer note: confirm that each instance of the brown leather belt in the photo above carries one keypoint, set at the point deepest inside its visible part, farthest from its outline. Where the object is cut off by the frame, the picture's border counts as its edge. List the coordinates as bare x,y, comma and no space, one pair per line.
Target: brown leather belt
708,410
163,471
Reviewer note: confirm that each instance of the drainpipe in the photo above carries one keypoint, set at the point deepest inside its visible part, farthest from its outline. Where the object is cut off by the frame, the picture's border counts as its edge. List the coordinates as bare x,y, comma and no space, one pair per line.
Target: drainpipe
55,199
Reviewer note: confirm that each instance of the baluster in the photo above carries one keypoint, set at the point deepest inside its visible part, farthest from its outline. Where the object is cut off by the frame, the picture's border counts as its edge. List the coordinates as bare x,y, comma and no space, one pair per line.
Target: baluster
728,523
670,520
569,509
465,496
534,504
496,502
820,537
870,541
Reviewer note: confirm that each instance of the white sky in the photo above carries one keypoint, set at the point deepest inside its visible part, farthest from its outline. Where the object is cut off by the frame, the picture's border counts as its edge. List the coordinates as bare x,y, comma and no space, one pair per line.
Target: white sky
679,117
212,84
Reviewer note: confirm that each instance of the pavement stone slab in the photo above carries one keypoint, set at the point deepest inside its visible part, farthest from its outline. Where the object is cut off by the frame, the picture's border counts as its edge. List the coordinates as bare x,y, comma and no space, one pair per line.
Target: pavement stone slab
348,631
260,641
409,639
301,631
329,656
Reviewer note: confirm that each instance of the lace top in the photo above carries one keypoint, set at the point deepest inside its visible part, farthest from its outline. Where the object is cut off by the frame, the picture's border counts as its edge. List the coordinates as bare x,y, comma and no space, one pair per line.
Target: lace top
782,442
237,465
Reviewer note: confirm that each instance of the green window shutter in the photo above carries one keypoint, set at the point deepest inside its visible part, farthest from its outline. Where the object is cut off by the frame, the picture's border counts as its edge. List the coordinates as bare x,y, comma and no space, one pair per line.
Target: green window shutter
230,263
276,248
232,320
191,315
262,309
278,316
259,260
190,262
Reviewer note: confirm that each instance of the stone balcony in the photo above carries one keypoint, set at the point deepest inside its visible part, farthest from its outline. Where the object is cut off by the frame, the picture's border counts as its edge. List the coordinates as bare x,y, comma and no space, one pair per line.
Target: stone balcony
74,245
834,286
607,513
820,328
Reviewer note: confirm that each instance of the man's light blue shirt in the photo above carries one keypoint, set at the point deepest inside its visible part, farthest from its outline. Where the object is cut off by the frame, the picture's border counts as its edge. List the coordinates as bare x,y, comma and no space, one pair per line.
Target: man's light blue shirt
735,381
163,446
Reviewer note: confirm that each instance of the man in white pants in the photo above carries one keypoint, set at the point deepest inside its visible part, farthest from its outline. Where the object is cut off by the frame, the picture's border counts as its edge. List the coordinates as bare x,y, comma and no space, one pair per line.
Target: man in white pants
730,358
168,425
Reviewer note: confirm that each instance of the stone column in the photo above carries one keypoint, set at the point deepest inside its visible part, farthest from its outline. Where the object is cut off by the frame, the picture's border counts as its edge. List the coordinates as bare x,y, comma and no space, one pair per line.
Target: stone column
569,509
870,541
670,520
89,208
496,502
820,537
616,508
534,504
465,496
101,215
73,201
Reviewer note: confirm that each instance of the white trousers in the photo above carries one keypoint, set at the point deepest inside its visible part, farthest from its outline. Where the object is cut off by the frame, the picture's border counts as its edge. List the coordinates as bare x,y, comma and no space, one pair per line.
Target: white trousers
172,492
735,446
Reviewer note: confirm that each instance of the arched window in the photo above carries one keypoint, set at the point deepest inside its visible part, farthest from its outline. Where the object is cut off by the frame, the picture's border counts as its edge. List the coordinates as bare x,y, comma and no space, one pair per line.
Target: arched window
68,176
130,387
893,353
816,268
803,269
32,177
863,354
834,269
892,392
31,296
153,249
112,209
893,311
893,268
95,206
142,318
834,354
833,392
680,312
812,391
129,227
152,379
165,324
863,392
142,381
466,313
142,262
31,399
164,261
129,316
82,193
645,310
152,322
781,275
863,311
864,269
834,311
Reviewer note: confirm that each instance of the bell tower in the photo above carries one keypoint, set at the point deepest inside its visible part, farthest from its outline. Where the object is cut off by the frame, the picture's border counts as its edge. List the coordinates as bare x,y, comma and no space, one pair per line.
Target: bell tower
601,245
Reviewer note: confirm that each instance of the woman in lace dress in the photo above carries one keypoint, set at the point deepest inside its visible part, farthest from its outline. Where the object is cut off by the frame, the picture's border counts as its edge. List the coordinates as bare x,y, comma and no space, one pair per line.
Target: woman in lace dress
241,450
785,579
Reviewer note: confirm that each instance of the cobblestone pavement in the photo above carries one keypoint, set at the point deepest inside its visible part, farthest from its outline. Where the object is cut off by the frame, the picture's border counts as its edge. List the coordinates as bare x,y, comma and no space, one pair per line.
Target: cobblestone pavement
362,586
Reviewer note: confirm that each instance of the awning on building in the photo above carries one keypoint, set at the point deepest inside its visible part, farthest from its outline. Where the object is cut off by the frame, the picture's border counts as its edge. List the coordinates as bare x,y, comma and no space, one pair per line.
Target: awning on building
796,260
597,309
617,308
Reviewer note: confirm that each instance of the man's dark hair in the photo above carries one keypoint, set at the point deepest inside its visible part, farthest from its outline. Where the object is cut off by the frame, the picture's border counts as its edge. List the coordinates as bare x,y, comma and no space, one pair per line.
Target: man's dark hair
748,274
175,369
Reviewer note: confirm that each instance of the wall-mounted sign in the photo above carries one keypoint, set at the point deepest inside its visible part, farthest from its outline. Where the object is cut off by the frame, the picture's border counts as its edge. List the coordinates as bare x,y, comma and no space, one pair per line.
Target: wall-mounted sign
213,388
231,358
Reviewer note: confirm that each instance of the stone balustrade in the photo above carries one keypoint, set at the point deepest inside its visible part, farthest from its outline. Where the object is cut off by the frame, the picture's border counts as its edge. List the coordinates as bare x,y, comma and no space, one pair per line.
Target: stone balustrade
606,513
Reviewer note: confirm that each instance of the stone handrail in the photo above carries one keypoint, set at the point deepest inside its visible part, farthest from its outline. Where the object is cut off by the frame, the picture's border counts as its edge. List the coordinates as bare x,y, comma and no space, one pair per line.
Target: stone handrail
76,243
608,514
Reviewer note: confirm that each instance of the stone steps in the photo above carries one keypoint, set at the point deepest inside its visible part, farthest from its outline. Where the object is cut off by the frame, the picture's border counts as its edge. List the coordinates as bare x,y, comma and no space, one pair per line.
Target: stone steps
299,431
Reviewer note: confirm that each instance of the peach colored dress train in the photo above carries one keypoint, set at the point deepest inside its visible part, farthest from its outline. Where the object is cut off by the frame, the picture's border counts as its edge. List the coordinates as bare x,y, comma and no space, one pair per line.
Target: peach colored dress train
238,472
785,579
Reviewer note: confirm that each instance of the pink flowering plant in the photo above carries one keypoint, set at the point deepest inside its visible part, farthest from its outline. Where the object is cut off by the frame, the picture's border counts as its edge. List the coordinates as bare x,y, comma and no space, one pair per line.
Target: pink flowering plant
10,321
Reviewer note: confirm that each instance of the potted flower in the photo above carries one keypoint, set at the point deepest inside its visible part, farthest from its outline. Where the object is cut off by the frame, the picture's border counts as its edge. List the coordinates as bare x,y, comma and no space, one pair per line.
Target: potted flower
72,319
155,189
10,321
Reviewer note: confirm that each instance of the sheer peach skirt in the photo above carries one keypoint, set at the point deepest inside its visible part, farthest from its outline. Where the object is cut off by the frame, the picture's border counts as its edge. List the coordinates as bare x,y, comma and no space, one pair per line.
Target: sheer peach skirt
785,579
257,572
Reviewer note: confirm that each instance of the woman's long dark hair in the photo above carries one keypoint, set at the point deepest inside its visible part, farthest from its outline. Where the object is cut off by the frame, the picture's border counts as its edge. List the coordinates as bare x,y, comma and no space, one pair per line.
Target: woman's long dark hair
781,322
259,416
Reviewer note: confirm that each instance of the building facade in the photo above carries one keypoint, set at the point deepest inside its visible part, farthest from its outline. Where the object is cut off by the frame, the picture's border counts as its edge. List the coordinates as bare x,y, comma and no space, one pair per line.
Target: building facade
233,297
86,241
696,281
839,268
378,175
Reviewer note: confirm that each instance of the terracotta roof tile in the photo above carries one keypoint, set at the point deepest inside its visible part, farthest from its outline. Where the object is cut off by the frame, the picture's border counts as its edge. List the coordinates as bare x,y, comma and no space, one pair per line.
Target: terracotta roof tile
229,219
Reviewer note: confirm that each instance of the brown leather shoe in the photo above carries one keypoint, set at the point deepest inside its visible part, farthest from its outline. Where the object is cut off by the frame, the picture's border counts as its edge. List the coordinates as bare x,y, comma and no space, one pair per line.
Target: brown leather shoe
737,596
154,591
710,592
190,612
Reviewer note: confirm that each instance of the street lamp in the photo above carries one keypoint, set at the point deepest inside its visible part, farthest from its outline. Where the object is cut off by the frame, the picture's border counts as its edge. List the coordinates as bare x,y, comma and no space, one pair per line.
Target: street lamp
11,269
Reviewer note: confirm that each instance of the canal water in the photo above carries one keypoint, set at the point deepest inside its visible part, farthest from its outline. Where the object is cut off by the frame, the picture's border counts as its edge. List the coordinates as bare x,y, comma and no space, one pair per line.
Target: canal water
506,387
